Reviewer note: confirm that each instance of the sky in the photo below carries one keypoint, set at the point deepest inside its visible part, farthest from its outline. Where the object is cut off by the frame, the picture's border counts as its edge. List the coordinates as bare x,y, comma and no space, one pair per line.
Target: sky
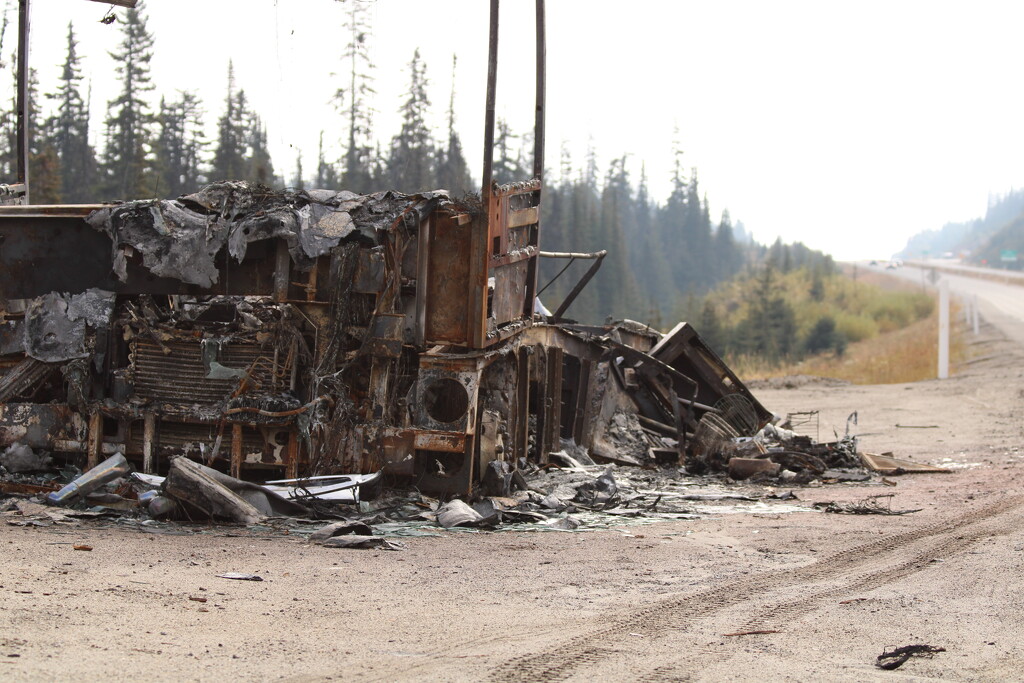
846,126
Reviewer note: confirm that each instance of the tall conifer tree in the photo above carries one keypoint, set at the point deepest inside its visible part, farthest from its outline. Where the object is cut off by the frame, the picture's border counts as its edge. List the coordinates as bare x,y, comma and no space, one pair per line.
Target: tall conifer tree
452,169
69,130
353,100
410,161
127,159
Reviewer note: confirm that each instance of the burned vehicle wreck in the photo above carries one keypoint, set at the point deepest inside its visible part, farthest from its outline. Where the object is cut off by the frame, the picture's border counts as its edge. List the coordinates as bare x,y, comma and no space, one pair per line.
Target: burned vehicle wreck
271,333
274,333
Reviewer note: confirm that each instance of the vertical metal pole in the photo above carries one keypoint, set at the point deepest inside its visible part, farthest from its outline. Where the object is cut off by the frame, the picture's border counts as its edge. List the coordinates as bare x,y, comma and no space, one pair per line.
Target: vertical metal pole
538,121
944,329
492,84
23,33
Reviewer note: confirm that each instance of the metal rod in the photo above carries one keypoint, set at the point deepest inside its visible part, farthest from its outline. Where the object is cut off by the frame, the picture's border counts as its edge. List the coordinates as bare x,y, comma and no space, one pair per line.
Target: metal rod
538,121
573,254
591,272
23,33
552,280
492,81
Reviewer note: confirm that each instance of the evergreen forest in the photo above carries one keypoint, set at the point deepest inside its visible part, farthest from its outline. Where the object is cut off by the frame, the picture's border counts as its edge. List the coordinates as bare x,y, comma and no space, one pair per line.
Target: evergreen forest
663,253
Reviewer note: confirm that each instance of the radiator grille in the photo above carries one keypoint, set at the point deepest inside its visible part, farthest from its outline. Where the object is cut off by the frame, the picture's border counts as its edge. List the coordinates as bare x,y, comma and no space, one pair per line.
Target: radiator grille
180,376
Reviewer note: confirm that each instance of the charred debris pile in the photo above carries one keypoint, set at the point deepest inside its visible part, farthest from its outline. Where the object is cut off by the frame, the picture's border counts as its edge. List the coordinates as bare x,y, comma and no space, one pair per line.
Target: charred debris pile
334,343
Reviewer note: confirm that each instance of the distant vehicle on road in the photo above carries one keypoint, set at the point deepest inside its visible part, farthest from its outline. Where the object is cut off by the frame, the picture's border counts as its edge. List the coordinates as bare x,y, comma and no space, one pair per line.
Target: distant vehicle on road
873,262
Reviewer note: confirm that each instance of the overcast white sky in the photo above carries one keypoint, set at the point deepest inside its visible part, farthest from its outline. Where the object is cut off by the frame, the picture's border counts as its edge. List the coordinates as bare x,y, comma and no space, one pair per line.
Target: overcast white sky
848,126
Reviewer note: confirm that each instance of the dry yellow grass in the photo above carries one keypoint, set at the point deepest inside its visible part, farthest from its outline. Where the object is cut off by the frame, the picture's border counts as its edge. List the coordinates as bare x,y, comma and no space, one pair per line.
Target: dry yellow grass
906,355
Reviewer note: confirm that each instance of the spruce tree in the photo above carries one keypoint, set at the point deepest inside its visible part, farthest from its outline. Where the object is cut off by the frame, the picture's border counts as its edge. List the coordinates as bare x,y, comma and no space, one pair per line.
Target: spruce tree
44,164
726,257
194,141
409,165
297,182
326,172
354,100
616,286
180,144
452,169
507,168
230,153
127,158
259,167
647,257
68,129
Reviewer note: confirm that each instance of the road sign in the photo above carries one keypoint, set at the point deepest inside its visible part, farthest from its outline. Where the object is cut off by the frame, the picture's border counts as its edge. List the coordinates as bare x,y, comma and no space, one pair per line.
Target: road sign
1009,255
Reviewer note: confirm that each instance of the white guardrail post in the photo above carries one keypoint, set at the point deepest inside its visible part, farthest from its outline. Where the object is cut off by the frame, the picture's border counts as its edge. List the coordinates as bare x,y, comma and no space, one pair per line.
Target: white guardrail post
944,329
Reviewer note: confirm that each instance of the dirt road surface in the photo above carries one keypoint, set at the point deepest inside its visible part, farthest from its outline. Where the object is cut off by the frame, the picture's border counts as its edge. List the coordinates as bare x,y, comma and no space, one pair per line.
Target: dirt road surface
638,603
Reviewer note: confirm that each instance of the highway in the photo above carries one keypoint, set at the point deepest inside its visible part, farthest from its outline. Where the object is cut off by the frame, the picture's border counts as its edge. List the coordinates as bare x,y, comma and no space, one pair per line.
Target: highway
999,303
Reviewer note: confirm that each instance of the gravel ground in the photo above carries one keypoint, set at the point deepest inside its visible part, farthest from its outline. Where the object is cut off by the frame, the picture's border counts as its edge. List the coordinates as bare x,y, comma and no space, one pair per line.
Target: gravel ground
648,603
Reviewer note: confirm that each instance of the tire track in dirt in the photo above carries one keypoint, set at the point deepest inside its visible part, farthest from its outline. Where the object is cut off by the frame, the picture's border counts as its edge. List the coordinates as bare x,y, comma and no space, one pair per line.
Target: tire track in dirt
778,616
784,612
560,661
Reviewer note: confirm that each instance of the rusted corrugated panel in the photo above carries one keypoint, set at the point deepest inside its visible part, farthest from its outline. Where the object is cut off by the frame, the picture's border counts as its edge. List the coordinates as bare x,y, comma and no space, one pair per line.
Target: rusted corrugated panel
23,376
180,376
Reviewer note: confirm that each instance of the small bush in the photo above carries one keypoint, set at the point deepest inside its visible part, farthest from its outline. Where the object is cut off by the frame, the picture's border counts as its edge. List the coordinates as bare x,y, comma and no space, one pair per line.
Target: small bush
856,328
822,336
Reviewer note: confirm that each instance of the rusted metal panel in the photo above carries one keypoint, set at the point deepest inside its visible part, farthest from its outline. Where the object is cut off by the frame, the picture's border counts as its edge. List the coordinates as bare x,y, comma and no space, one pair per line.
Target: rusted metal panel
453,442
370,275
522,217
384,336
446,318
11,488
513,239
478,278
509,292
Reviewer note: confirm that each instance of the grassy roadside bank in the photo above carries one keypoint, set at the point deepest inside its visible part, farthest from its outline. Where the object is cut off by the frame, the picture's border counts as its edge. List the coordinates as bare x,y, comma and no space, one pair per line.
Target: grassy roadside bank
905,354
